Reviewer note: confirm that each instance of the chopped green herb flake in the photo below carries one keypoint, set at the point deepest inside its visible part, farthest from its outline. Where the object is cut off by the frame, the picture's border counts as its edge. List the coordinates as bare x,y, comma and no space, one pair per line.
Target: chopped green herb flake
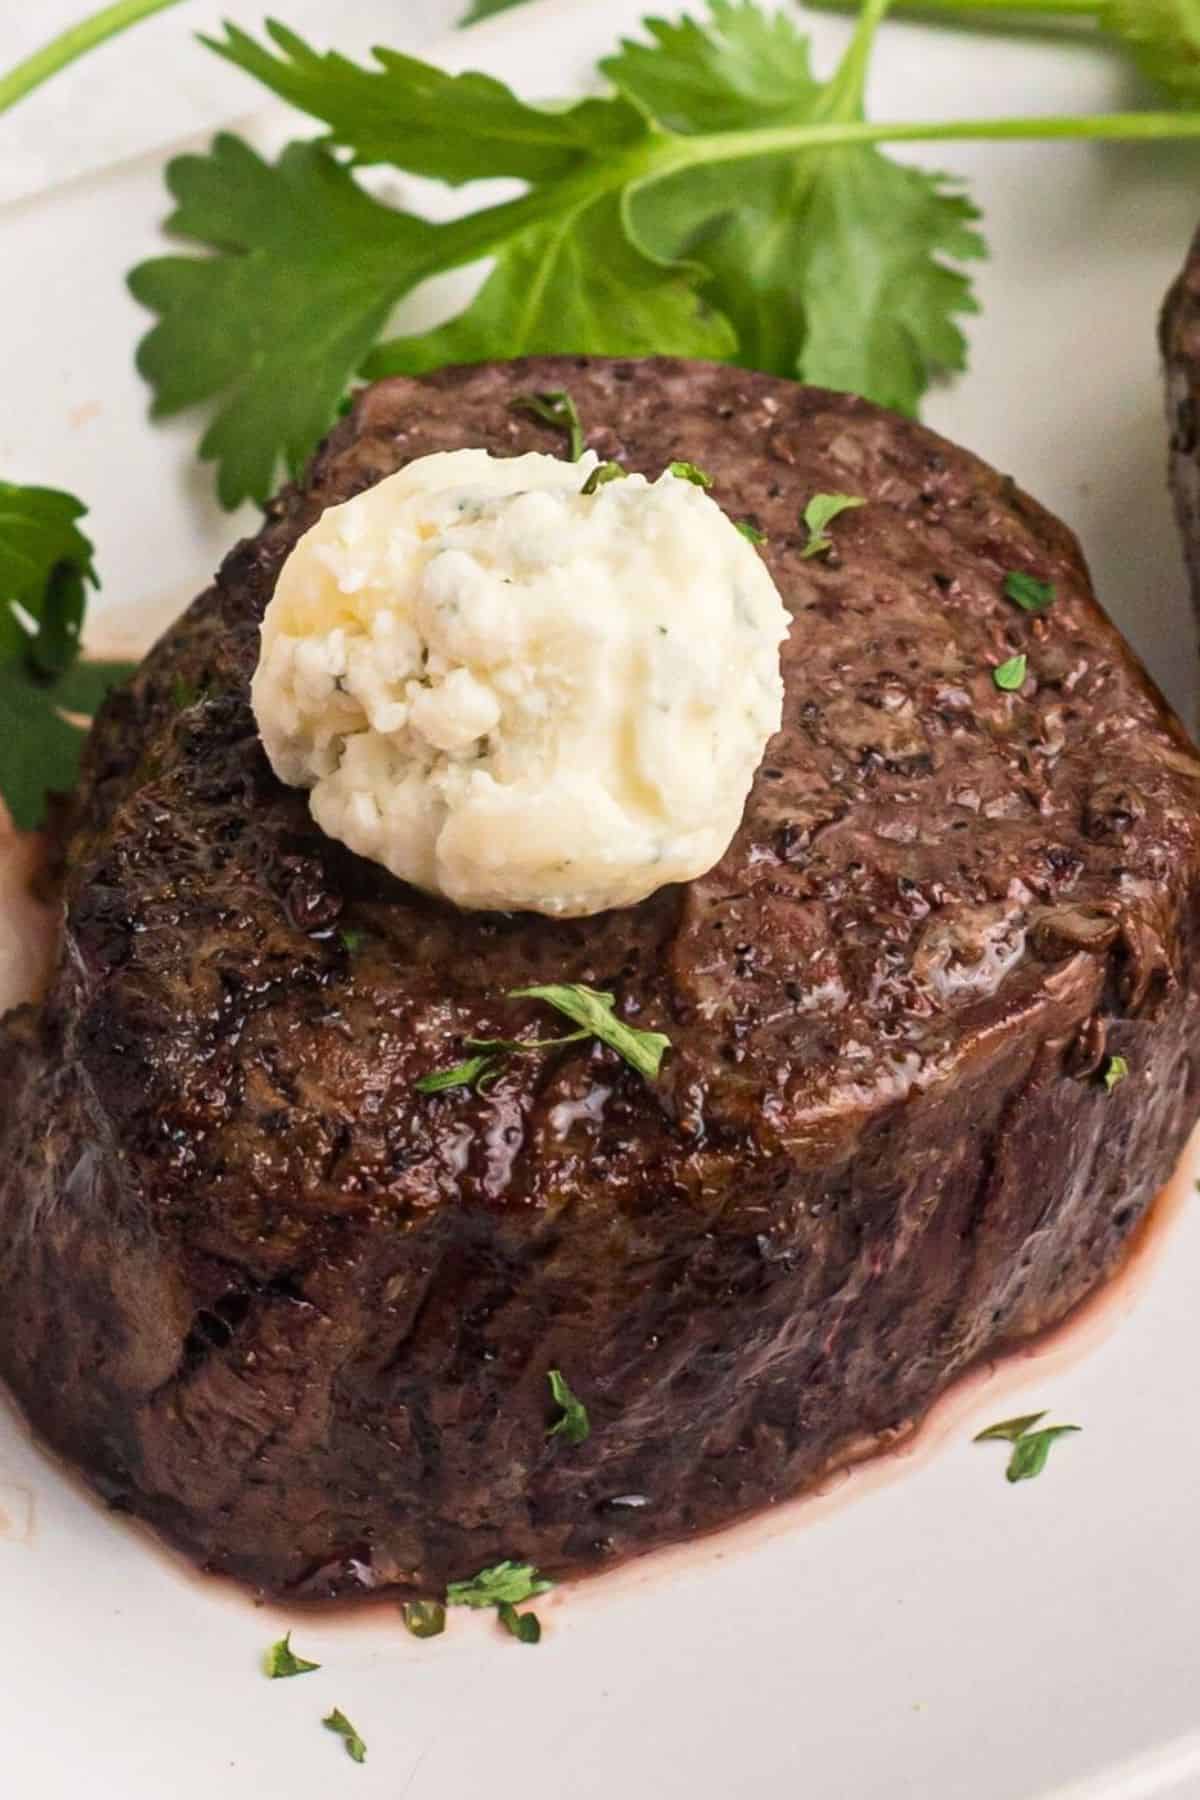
574,1425
601,475
1030,1447
686,471
525,1627
425,1618
1010,675
505,1583
1030,594
594,1011
1115,1071
751,531
556,408
350,938
337,1721
184,693
281,1661
819,514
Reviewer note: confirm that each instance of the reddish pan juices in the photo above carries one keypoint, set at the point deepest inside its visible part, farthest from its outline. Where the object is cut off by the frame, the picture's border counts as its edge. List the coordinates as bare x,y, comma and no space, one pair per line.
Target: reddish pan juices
299,1316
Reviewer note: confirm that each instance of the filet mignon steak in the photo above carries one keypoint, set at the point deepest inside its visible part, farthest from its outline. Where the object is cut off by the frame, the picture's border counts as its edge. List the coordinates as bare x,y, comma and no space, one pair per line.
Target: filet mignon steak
300,1316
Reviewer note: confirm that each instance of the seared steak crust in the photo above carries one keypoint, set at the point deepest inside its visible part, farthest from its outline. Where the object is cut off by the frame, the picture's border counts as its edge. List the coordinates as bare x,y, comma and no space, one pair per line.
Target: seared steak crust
300,1317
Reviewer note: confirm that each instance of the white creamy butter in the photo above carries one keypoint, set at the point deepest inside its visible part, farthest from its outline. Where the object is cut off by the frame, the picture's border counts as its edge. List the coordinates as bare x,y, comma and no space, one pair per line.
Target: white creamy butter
518,695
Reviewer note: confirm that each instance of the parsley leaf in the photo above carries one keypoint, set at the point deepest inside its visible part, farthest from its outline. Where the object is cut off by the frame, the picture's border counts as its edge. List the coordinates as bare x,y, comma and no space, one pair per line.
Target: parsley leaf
505,1583
686,471
1115,1071
574,1425
1030,594
454,128
45,563
281,1661
819,514
1009,676
45,571
832,265
558,409
425,1618
1030,1452
577,283
337,1721
595,1012
272,326
751,531
1030,1447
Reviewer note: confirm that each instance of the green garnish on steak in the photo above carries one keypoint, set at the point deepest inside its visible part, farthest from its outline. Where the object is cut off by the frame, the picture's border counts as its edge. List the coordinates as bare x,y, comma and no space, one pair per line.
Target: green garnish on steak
601,475
1030,594
573,1425
687,471
819,515
1009,676
554,407
594,1013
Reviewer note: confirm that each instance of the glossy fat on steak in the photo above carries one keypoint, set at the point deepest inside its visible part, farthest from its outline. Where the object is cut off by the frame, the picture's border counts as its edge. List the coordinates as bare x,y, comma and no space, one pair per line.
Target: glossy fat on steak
269,1297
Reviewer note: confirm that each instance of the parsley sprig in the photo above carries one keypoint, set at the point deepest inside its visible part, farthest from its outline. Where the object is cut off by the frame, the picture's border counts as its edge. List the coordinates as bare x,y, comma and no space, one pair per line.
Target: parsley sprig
719,201
592,1011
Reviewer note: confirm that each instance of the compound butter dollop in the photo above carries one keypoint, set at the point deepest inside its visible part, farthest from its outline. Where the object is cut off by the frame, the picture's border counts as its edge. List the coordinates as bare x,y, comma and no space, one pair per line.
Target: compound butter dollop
518,695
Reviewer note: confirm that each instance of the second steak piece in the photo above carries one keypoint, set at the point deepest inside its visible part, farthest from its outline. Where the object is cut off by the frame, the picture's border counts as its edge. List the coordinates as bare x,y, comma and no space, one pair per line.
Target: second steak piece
1179,338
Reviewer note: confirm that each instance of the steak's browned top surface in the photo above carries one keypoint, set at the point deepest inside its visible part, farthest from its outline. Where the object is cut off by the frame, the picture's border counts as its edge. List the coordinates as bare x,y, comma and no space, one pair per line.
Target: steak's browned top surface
880,1142
917,847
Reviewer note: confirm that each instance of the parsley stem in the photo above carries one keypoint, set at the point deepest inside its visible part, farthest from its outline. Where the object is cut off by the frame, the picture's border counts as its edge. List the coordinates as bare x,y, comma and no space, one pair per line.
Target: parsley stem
74,42
845,94
1088,9
736,146
1079,9
479,234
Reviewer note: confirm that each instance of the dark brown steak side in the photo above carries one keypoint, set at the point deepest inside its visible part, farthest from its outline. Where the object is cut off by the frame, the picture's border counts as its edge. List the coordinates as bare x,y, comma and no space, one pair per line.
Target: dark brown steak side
301,1318
1179,337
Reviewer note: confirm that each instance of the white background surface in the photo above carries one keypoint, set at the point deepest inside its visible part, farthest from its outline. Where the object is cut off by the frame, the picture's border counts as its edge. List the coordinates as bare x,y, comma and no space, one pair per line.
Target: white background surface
150,84
939,1635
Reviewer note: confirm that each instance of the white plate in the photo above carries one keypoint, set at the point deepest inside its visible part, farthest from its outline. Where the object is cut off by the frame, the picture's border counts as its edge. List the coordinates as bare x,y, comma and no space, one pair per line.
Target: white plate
929,1632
